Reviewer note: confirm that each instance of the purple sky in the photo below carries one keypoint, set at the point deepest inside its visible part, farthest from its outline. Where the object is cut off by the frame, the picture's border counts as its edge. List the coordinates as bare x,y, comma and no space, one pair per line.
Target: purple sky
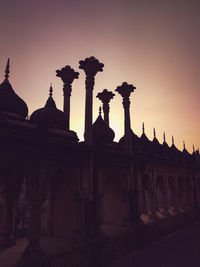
153,44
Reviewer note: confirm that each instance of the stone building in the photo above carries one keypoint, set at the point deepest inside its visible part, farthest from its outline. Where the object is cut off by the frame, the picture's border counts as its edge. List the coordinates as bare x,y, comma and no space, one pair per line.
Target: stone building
90,188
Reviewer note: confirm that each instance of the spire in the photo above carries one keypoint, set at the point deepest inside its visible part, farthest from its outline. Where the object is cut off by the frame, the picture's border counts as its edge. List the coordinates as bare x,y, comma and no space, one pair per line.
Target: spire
7,70
143,129
100,111
183,144
154,132
193,150
172,140
50,90
164,137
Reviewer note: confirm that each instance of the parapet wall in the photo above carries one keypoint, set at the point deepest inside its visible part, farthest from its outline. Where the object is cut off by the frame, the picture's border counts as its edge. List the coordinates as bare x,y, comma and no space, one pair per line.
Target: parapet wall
104,250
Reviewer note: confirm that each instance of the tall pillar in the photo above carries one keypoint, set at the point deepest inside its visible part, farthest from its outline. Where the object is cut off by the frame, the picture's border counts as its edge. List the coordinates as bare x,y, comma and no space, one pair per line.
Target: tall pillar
67,74
105,96
152,213
165,203
125,90
34,231
174,199
90,66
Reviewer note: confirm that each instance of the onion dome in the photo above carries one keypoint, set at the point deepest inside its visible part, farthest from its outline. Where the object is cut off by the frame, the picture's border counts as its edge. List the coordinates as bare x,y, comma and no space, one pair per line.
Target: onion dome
10,103
49,115
102,133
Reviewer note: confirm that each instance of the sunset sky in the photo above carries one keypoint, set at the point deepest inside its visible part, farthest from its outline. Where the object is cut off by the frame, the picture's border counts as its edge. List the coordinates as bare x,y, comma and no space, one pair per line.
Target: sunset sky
153,44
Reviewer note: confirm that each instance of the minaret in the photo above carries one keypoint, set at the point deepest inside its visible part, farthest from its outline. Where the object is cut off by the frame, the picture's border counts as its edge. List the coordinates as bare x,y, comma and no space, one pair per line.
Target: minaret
90,66
67,74
125,91
105,96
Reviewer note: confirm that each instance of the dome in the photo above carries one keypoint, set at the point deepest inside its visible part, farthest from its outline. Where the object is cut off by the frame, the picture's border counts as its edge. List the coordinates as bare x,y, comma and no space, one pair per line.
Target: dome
10,102
102,133
49,115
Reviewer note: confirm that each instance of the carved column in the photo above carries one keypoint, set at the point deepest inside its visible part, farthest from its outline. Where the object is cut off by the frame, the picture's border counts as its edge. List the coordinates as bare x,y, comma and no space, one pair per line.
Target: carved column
152,213
67,74
174,199
37,188
125,90
34,232
90,66
165,203
105,96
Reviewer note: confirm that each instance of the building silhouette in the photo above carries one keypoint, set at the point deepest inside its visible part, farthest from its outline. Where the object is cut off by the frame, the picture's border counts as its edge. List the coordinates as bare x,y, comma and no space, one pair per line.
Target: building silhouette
89,189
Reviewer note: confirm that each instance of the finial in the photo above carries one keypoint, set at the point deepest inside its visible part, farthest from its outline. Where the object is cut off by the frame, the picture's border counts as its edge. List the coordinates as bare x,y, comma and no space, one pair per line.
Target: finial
193,149
183,144
7,70
143,129
164,136
172,140
50,90
100,111
154,132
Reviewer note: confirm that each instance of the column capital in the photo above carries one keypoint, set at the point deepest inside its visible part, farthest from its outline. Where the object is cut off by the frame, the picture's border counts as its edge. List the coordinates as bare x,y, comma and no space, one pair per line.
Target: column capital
105,96
67,74
91,66
125,90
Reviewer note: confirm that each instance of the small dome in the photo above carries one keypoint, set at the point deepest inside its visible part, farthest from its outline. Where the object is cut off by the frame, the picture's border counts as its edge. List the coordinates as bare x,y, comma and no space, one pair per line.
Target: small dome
102,133
10,102
49,115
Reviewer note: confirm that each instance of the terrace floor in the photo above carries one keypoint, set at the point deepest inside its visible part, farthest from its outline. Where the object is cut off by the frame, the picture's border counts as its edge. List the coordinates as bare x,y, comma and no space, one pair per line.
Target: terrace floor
180,249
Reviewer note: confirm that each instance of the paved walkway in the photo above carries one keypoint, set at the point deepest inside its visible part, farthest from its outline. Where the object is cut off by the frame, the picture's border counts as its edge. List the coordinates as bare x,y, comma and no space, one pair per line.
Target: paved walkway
181,249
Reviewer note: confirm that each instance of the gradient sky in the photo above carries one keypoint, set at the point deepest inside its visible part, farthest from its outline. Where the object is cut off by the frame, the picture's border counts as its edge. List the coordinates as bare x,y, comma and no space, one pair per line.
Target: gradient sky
154,45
